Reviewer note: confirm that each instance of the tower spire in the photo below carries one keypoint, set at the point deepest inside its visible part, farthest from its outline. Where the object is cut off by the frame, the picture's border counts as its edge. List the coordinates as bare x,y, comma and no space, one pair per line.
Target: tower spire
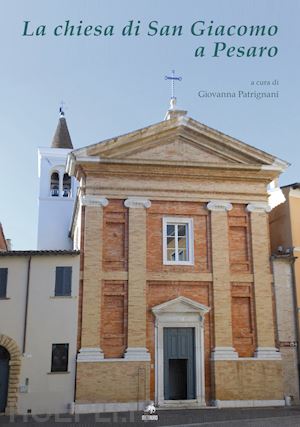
61,138
61,109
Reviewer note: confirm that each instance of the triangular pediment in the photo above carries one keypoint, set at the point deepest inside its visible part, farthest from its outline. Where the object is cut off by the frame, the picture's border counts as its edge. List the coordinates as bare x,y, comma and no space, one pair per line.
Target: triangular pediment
180,305
178,150
181,141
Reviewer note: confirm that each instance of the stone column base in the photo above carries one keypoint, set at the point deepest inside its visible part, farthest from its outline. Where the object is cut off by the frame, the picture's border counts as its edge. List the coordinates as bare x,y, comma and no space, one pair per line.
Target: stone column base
90,354
224,353
267,353
137,353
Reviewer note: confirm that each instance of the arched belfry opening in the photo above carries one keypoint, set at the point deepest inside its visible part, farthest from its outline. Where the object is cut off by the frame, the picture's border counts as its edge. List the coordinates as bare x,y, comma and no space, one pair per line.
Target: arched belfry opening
67,186
54,184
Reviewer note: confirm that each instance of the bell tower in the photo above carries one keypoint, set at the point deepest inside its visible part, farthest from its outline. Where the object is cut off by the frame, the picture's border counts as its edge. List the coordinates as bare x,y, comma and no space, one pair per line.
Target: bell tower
56,191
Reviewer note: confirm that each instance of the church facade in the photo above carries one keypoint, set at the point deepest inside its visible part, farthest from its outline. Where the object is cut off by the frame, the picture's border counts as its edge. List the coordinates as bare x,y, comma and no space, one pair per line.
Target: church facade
176,303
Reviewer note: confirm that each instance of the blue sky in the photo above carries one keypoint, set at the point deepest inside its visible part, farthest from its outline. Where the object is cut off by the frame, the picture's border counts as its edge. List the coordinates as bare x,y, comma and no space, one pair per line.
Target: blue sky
113,85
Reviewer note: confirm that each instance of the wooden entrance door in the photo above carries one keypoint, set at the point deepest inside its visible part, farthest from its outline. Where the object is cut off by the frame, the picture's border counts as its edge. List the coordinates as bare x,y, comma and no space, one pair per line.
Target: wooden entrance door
179,363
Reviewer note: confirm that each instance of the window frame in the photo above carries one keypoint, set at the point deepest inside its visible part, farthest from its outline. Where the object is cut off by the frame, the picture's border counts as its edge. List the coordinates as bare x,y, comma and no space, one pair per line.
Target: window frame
62,295
4,296
67,362
190,239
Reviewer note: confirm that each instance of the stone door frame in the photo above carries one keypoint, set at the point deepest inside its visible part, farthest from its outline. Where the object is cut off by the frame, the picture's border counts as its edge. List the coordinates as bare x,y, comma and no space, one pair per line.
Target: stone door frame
180,312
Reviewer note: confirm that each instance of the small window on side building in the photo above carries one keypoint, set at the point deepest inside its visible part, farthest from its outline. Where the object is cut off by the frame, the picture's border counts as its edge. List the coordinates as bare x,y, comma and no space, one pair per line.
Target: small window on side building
60,357
3,282
63,282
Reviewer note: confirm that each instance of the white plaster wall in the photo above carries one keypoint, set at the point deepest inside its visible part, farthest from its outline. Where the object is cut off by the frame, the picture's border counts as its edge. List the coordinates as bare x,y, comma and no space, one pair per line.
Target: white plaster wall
77,231
54,221
283,284
51,320
285,313
12,310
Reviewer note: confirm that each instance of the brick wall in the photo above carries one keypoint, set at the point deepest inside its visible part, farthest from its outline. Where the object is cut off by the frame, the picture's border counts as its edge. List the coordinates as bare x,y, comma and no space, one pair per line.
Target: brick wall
115,236
243,324
114,311
115,258
239,240
114,318
200,215
112,382
248,380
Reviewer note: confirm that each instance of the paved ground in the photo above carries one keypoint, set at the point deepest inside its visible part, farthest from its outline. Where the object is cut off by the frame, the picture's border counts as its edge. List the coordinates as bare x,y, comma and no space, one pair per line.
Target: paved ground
252,417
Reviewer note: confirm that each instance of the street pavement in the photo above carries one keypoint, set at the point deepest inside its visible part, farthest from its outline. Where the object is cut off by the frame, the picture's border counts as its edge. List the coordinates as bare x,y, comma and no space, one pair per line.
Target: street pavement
210,417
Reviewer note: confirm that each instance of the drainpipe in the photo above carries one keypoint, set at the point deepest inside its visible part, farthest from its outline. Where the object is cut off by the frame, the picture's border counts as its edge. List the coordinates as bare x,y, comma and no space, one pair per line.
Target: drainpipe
26,305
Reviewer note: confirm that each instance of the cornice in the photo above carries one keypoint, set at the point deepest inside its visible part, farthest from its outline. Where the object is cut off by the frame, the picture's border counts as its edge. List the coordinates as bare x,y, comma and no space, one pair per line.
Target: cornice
177,170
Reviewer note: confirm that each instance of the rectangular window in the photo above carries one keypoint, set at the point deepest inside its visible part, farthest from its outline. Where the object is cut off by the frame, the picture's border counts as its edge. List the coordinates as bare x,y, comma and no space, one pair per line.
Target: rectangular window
63,281
178,242
3,282
60,357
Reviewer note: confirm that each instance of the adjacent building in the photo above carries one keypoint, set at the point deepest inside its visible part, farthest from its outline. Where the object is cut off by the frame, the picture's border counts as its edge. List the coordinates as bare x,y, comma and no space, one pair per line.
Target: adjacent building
176,302
39,298
38,330
285,232
286,318
285,245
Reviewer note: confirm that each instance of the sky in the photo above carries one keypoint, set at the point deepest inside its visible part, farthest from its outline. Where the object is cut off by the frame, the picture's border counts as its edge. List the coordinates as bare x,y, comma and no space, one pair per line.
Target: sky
115,84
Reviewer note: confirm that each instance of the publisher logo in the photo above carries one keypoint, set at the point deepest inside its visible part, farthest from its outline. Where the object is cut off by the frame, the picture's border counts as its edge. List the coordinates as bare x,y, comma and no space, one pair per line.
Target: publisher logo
150,413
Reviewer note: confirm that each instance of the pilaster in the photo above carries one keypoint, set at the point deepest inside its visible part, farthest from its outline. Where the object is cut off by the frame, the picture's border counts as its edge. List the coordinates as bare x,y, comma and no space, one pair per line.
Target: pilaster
221,281
136,349
262,281
92,279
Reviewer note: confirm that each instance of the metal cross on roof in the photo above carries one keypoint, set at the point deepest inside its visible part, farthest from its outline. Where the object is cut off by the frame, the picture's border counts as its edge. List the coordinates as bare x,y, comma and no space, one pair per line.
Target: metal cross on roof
61,109
173,78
